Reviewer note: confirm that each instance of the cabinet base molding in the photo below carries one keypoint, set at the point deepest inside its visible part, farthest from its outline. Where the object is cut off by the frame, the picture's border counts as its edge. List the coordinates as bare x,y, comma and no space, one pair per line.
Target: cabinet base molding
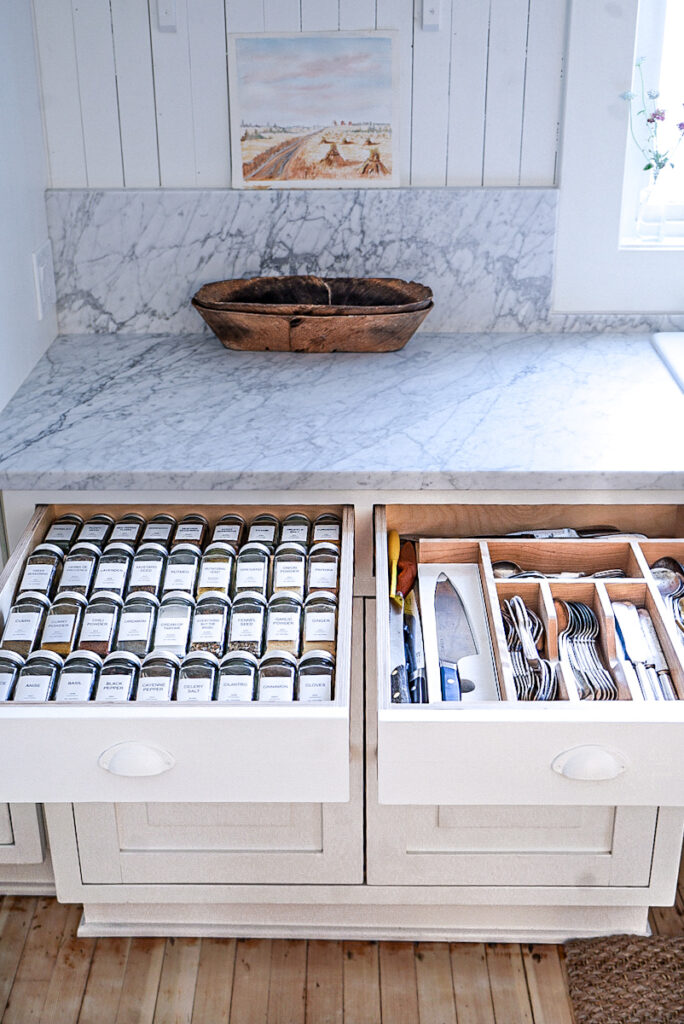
398,923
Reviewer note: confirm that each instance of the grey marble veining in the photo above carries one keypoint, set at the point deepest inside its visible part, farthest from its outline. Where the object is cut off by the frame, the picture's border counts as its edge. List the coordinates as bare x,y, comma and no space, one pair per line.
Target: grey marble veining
460,411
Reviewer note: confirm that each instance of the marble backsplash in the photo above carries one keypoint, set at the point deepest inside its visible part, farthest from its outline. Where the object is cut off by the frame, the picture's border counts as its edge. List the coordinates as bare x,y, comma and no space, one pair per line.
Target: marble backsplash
129,261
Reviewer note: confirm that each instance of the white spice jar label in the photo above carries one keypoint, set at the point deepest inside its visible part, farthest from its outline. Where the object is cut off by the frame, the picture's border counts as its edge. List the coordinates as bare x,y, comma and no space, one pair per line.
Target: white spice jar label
289,574
74,686
172,631
314,688
215,575
227,531
326,533
61,531
5,683
76,573
319,625
262,533
32,688
125,531
294,533
113,688
111,576
146,573
134,625
36,577
97,626
276,688
179,577
282,626
21,626
155,688
323,575
193,690
246,625
207,628
250,575
235,687
189,531
58,629
157,531
93,531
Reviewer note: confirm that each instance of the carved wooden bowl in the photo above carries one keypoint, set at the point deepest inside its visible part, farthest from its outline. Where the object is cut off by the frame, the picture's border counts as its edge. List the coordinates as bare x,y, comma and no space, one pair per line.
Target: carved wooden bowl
314,314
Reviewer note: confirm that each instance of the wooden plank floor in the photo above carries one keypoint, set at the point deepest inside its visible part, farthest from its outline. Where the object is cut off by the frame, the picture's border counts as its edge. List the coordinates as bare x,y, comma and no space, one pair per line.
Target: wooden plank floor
48,976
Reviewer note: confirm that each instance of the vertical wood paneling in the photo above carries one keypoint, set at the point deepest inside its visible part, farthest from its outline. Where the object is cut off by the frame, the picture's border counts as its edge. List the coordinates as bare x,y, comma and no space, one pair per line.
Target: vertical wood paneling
97,86
281,15
467,94
398,15
543,91
244,15
61,98
137,117
209,87
320,15
430,115
357,14
505,91
173,98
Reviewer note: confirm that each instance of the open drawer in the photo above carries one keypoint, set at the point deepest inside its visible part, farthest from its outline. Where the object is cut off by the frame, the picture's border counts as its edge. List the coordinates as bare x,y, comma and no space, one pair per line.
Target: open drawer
508,751
246,752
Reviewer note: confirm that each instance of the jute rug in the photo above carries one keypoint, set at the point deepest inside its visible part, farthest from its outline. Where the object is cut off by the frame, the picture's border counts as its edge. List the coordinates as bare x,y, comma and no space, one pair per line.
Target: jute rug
626,980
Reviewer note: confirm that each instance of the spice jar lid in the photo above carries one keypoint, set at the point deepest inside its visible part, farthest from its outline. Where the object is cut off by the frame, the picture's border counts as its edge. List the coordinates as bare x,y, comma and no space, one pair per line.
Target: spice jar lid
213,596
321,595
221,546
70,595
56,659
84,656
104,595
239,656
324,547
278,656
317,656
178,595
192,548
71,517
255,545
85,545
152,546
330,516
162,516
127,516
233,516
102,517
283,596
132,659
33,595
291,545
7,655
160,655
296,515
249,595
195,656
51,549
119,545
265,517
141,596
195,517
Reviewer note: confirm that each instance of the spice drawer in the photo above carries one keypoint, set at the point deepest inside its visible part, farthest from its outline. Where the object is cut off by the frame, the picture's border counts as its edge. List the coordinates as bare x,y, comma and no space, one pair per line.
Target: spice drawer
158,752
507,752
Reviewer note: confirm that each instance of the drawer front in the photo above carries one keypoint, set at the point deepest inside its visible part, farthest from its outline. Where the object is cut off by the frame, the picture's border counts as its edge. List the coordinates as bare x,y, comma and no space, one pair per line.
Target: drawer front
74,753
608,753
21,834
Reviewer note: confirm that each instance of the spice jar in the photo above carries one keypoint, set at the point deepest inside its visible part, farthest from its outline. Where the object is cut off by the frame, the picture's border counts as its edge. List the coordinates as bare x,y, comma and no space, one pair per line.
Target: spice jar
324,568
79,569
78,678
97,529
289,568
159,529
251,572
320,622
191,529
296,528
118,678
264,529
62,623
230,528
10,665
277,673
246,630
41,569
158,676
284,623
315,677
129,528
216,568
237,677
63,530
24,623
327,527
114,568
182,568
100,623
37,678
173,623
209,623
197,677
147,569
136,629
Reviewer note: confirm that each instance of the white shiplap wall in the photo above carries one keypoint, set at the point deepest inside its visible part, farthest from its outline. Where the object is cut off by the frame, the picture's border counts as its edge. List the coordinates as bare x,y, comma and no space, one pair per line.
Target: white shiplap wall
129,105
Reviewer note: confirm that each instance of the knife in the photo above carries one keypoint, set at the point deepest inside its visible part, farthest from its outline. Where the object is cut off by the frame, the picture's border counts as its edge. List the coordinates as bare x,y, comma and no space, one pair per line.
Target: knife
417,673
627,617
657,658
399,687
455,638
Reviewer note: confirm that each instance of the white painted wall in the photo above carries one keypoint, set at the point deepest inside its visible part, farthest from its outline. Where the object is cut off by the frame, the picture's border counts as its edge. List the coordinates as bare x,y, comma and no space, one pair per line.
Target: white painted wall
129,105
23,178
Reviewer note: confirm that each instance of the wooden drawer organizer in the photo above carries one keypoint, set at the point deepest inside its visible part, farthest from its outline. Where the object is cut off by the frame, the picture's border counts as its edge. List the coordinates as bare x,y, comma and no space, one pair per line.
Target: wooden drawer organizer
245,752
626,751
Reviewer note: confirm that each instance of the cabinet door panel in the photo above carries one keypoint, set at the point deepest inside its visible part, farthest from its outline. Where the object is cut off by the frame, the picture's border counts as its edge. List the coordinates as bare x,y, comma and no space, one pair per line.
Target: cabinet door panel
21,837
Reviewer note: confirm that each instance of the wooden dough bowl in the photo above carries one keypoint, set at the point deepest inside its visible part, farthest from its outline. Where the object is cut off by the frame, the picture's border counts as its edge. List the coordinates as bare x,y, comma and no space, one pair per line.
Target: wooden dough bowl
314,314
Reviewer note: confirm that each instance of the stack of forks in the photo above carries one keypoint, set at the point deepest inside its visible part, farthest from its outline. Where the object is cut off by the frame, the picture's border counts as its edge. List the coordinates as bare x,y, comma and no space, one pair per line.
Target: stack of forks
577,649
533,675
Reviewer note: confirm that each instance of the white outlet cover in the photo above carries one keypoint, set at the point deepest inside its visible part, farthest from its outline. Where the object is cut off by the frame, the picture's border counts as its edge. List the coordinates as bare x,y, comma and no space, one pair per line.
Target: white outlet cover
44,279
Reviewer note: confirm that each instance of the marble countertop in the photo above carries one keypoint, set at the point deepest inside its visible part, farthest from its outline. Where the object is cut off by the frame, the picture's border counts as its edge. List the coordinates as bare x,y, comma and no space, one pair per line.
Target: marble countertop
474,411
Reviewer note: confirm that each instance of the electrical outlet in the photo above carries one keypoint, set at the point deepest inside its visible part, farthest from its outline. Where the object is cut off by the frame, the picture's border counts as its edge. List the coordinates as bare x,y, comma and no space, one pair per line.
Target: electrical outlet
431,15
44,278
166,16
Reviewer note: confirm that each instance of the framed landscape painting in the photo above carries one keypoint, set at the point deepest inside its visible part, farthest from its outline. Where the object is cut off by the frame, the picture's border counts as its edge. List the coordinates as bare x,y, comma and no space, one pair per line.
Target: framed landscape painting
313,110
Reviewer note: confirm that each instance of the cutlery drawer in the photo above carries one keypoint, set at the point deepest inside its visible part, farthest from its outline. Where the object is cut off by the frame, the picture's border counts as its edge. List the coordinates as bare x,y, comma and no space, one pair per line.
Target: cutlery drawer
129,752
623,752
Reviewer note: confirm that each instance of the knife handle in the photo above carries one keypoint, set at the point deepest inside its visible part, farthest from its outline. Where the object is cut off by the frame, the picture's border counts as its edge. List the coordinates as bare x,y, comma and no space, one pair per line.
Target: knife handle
399,687
451,684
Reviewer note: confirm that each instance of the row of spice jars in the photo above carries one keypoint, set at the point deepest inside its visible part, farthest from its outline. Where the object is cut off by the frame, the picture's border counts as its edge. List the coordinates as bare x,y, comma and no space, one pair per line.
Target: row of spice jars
193,528
163,676
178,623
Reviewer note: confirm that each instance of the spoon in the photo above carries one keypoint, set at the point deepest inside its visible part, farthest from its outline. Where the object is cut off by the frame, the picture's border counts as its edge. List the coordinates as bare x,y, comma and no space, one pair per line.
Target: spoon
668,582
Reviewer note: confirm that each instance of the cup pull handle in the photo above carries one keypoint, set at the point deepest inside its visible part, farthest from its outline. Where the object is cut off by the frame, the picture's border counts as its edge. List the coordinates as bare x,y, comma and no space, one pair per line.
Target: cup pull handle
589,764
135,759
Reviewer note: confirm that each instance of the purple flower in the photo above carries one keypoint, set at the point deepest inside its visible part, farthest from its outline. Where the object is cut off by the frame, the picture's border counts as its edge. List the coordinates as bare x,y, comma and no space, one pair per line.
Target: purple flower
680,126
657,115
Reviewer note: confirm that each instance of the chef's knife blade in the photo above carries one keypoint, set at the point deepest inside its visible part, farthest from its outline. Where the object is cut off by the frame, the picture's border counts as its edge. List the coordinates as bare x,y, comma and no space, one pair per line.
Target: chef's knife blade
417,675
455,639
399,676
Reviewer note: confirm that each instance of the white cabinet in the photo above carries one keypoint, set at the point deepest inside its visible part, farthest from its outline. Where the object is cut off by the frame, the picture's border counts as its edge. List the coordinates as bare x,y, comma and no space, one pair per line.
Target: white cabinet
21,835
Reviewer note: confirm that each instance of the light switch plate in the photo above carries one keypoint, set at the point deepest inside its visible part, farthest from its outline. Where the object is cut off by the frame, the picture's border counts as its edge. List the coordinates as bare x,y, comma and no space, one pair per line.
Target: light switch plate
431,15
44,279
